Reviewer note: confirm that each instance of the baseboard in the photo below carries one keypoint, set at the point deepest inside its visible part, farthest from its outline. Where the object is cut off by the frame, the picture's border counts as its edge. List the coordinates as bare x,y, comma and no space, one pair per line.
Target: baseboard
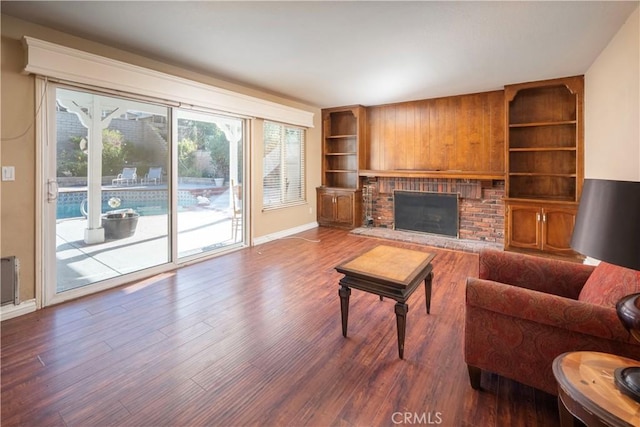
284,233
11,311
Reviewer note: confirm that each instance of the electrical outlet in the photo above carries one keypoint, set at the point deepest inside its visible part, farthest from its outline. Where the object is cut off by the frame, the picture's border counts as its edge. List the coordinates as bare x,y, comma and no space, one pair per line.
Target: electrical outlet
8,173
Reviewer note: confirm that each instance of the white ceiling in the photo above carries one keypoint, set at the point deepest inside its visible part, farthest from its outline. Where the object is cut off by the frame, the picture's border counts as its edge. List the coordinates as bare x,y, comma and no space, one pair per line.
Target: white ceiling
340,53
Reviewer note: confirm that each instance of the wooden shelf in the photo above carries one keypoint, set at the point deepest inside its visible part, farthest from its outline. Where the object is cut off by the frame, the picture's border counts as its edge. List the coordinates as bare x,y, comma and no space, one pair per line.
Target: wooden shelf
540,149
339,198
561,175
341,136
538,124
544,138
431,174
538,200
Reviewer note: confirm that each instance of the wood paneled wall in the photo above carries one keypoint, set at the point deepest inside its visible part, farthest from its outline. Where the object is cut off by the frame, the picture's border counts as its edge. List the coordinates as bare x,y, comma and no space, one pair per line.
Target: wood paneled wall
457,133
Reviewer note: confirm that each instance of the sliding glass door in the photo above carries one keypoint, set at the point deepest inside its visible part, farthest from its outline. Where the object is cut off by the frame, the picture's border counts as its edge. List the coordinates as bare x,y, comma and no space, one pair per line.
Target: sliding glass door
110,219
133,186
209,182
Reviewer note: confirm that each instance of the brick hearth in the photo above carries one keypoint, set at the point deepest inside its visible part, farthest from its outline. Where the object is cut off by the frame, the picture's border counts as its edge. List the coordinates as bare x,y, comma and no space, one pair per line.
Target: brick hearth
481,205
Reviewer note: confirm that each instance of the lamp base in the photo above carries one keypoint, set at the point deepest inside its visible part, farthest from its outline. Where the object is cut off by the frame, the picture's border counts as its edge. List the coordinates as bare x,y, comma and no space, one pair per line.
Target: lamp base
628,381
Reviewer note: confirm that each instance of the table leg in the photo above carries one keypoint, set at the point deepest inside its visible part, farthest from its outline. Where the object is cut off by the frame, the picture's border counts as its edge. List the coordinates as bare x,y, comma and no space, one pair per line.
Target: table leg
401,320
566,418
427,290
344,293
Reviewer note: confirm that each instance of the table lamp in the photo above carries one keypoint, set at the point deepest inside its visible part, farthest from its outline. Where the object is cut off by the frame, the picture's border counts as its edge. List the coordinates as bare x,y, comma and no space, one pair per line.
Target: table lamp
608,228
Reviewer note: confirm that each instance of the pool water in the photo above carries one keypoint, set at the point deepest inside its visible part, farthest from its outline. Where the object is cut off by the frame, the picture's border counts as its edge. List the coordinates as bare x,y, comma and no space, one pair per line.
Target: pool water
143,201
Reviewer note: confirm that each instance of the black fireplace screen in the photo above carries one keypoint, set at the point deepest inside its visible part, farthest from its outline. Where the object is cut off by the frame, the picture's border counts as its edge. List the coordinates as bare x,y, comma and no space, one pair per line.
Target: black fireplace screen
426,212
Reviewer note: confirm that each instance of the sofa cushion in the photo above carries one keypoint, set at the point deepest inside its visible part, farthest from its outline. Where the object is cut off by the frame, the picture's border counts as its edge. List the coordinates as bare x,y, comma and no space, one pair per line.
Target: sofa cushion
608,283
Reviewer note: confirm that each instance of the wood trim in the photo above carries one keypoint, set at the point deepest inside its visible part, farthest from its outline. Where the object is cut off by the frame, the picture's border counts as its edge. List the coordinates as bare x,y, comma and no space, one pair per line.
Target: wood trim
11,311
575,84
541,202
76,66
431,174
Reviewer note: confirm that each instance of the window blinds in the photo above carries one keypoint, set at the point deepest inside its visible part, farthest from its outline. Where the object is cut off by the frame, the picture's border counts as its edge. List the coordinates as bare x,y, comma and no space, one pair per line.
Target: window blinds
283,165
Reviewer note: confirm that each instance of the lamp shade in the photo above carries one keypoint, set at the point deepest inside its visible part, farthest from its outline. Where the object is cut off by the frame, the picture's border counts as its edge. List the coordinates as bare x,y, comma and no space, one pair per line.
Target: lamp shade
608,222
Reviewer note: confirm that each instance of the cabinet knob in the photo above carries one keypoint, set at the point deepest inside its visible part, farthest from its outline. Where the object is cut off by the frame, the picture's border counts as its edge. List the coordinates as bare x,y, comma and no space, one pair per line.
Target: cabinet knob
538,217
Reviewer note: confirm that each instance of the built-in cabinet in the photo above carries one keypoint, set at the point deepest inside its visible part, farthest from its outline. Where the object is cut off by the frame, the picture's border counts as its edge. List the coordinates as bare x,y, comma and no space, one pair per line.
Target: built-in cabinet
545,162
545,228
343,151
339,207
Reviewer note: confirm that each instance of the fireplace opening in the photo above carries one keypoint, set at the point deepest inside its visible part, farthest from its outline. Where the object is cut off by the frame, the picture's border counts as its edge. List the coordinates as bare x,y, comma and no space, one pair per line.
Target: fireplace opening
426,212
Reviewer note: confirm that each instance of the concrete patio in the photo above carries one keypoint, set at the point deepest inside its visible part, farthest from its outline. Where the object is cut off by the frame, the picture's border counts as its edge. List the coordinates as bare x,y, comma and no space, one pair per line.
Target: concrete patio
200,229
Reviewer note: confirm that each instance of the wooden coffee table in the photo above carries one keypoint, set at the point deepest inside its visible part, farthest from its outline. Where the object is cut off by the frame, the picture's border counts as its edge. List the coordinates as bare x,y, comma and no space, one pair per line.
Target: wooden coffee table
388,272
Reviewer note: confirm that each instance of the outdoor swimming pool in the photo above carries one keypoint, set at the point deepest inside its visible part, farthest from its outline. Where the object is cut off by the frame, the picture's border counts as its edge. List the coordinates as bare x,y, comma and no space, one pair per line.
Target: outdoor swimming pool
145,201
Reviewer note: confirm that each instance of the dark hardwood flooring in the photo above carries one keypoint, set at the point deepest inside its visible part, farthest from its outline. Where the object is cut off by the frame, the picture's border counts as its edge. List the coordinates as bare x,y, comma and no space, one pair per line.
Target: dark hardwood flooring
254,338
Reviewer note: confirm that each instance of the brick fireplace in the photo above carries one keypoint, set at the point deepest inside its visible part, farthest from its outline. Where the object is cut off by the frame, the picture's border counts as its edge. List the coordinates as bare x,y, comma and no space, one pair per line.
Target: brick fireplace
481,206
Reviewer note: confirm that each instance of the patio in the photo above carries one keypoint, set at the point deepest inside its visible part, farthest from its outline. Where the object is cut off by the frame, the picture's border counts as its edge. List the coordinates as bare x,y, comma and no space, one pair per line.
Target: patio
201,228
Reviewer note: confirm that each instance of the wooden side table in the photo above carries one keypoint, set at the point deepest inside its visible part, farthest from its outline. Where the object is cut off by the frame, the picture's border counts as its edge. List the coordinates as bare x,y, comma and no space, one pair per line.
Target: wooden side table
586,390
388,272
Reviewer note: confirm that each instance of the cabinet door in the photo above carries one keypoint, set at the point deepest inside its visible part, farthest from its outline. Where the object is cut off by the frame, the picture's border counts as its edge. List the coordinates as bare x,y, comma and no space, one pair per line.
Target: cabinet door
325,207
524,229
557,228
344,208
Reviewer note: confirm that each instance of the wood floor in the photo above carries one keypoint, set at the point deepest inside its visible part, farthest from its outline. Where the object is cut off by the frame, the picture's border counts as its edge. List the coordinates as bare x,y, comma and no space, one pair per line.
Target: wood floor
254,338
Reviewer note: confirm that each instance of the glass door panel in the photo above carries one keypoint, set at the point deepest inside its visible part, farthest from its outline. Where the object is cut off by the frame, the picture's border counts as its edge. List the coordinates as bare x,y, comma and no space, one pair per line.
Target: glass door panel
209,193
112,207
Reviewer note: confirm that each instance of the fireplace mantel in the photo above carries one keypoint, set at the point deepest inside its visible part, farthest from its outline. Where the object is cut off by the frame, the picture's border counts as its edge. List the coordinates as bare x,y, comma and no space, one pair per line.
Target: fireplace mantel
448,174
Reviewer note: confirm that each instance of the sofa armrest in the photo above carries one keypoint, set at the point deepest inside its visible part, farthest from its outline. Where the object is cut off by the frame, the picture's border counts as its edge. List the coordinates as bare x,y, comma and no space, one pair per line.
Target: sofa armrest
552,310
551,276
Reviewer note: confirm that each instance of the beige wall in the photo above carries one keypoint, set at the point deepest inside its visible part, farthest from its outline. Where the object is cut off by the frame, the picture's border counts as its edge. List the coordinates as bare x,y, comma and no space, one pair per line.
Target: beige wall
18,208
612,107
18,199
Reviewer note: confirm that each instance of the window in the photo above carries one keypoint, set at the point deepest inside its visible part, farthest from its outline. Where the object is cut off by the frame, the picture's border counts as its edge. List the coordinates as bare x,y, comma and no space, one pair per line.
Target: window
283,174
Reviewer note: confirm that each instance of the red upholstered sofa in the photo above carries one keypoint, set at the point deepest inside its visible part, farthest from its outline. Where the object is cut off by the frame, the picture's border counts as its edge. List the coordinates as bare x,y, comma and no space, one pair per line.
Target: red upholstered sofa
525,310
